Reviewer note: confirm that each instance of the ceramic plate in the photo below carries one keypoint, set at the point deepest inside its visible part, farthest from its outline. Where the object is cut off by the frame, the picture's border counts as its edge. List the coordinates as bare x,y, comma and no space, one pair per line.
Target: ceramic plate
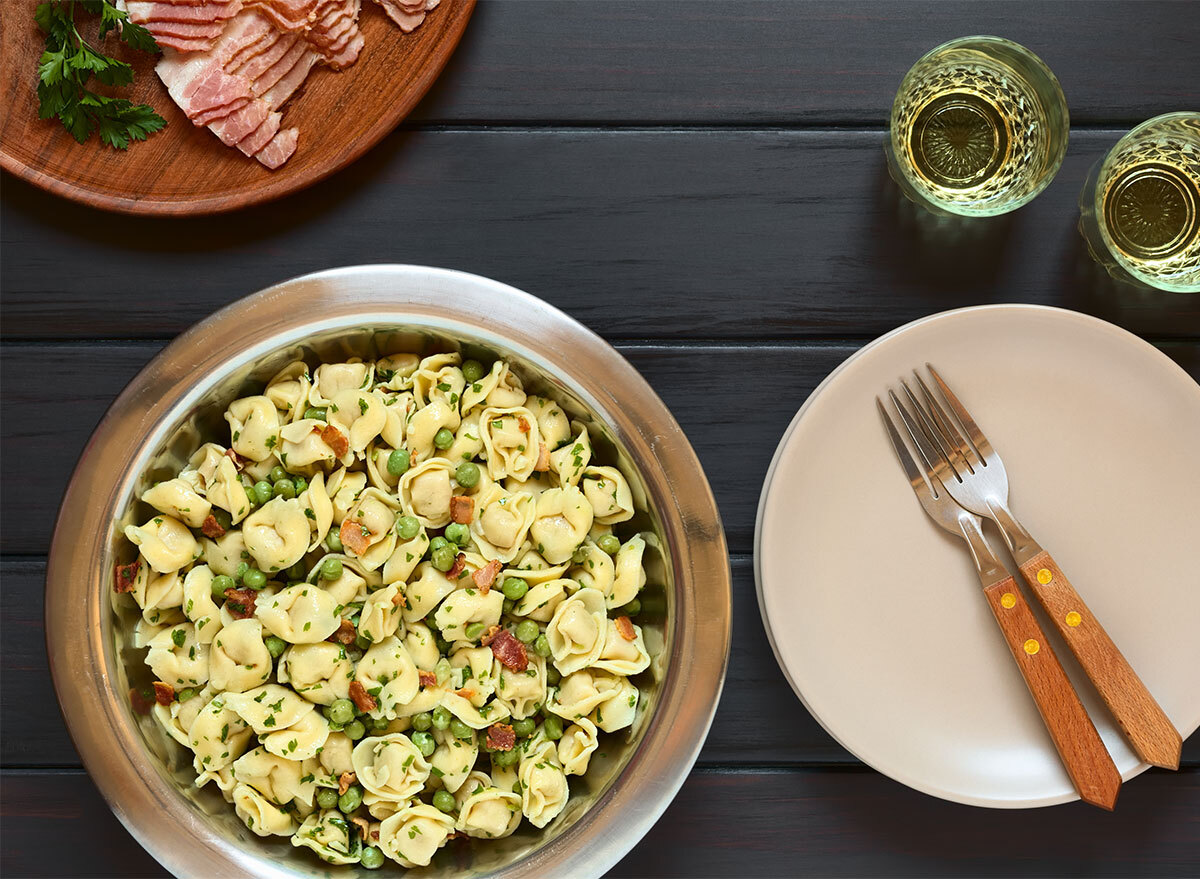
876,615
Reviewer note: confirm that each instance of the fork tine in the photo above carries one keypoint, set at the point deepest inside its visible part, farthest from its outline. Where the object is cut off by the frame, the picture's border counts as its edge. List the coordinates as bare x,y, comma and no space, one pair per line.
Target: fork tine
949,453
946,426
982,446
930,454
911,469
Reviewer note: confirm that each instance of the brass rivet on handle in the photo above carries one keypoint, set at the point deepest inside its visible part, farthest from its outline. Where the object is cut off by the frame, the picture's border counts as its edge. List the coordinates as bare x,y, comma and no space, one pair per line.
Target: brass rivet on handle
1073,618
1044,576
1032,646
1008,600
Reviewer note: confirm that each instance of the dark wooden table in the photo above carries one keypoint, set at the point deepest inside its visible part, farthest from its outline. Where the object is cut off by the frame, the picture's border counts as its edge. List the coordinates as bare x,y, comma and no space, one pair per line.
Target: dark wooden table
703,184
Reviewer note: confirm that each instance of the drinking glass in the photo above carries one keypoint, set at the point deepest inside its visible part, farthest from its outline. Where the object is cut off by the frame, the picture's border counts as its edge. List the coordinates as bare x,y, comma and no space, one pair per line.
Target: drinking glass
1140,208
978,128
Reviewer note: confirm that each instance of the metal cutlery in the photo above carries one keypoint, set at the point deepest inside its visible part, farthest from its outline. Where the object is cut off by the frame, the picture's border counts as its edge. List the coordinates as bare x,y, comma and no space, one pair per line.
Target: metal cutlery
974,476
1087,761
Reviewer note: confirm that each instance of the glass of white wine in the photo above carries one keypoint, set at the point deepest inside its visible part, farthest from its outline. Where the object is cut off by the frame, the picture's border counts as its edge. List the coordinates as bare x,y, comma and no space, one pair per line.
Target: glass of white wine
1140,207
978,128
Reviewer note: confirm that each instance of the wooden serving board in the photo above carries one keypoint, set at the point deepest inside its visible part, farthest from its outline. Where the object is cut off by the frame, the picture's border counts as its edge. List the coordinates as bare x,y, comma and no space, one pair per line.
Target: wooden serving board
187,170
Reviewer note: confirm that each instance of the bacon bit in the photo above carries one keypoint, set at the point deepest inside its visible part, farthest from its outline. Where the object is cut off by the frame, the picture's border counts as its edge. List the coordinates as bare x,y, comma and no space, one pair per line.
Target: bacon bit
345,780
486,576
426,678
460,562
164,694
240,603
140,700
543,461
489,635
509,650
364,828
211,527
336,440
361,698
345,633
375,835
126,576
462,509
500,737
625,628
352,536
238,461
398,599
466,692
522,424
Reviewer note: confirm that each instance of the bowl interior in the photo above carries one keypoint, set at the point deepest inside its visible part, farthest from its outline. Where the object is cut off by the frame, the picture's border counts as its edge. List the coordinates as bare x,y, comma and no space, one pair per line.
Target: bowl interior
199,417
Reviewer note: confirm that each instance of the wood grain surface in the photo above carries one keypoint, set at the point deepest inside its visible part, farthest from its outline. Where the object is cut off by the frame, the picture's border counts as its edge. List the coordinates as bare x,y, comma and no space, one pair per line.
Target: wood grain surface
1141,718
703,184
187,170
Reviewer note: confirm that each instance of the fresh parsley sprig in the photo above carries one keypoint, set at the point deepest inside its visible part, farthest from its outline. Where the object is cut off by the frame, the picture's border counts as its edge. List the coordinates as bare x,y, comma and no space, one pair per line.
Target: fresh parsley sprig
69,62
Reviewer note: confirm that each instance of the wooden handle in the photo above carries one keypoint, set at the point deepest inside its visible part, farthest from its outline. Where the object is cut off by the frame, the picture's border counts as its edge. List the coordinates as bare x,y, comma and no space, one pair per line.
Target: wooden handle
1143,721
1087,761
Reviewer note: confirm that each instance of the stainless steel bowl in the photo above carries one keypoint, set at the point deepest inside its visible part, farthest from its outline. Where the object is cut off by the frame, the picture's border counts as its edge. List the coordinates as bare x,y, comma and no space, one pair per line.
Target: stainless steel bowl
177,399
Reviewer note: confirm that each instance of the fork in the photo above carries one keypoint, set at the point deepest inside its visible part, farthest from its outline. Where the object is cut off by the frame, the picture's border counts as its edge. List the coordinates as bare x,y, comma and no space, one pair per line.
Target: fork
974,476
1087,761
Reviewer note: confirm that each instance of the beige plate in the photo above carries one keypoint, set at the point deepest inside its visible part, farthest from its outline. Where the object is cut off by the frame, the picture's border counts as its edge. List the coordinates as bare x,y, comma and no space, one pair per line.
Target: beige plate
876,615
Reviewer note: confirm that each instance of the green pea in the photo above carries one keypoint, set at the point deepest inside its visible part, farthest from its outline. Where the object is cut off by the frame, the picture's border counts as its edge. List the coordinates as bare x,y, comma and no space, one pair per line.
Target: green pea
242,568
371,858
524,727
250,495
474,630
276,646
443,645
552,728
541,646
473,371
437,543
254,579
285,489
444,438
514,588
219,584
350,800
527,631
505,758
552,675
632,609
277,473
443,558
425,743
459,730
263,491
334,541
301,484
441,717
580,555
398,461
379,723
467,474
408,527
458,534
223,518
331,569
315,412
341,711
327,798
508,605
336,727
362,643
609,543
422,722
443,801
185,694
296,572
356,730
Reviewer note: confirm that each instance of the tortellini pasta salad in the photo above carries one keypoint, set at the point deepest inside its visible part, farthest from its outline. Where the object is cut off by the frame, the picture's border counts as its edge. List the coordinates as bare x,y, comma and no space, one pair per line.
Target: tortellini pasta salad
396,606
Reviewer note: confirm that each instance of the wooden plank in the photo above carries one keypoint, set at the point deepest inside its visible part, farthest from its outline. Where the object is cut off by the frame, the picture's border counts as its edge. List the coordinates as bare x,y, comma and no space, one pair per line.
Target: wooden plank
759,720
795,63
734,416
635,233
780,822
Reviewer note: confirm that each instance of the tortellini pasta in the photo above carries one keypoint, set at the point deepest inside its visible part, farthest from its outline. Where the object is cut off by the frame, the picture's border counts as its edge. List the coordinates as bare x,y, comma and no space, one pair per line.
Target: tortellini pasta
392,604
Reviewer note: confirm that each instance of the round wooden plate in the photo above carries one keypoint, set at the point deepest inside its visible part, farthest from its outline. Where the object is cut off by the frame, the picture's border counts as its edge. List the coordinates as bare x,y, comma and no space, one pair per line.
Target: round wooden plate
187,170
